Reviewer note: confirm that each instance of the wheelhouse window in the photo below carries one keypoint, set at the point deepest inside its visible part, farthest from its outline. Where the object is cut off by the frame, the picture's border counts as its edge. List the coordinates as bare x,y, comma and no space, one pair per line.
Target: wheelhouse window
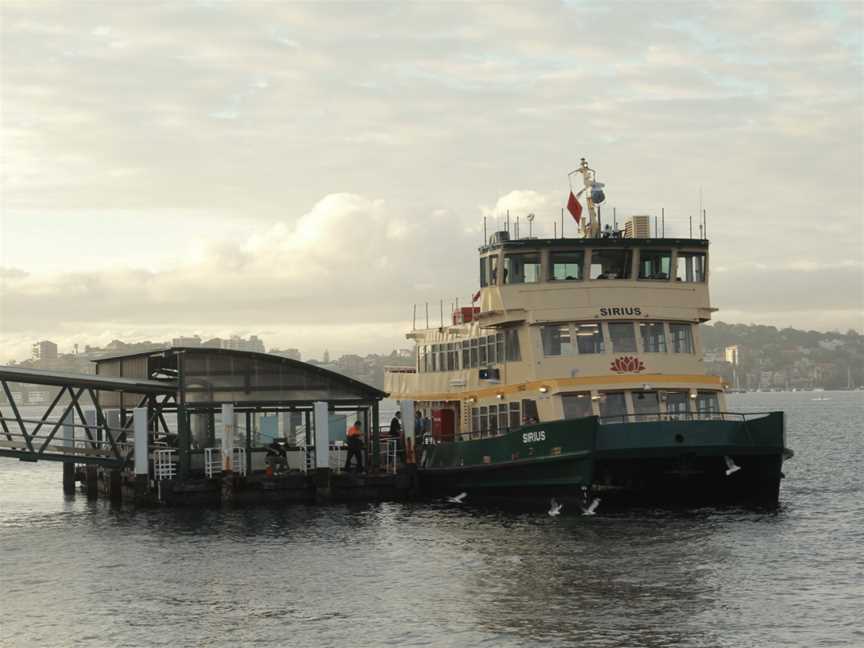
622,336
646,405
566,266
475,349
611,264
613,404
499,347
557,341
484,261
511,343
521,268
466,354
677,404
577,405
483,348
681,338
589,338
491,355
691,267
655,264
493,270
653,337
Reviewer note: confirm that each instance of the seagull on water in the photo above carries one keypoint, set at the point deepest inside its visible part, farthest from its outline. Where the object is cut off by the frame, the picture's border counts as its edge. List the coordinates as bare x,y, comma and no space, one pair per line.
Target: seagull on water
555,507
731,466
457,499
591,507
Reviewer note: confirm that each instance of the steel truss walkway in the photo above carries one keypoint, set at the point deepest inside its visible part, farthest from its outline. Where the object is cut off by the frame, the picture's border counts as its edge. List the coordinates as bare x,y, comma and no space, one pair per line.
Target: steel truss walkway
34,439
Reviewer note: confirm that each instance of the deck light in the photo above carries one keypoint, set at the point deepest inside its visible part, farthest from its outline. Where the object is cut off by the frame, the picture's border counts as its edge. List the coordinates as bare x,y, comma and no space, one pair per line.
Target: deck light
544,389
500,396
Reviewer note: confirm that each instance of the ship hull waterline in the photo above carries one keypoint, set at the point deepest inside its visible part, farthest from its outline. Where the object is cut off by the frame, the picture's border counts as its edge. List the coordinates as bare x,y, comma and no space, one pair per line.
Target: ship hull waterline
671,462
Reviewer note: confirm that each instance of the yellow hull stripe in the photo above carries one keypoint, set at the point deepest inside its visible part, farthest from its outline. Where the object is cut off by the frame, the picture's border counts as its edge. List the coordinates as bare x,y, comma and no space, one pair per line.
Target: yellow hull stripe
562,384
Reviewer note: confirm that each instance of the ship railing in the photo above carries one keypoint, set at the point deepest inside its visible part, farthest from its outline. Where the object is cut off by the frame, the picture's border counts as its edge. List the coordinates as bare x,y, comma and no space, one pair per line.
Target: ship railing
629,418
400,369
681,416
485,434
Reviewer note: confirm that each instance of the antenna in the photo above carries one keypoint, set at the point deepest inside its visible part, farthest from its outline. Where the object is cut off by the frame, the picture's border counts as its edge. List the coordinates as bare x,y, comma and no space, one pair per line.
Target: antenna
705,221
442,313
614,218
516,228
663,221
507,221
554,229
691,227
530,218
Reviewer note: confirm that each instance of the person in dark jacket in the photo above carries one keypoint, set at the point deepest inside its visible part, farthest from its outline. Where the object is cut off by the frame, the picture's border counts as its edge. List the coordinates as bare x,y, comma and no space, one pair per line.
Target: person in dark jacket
396,432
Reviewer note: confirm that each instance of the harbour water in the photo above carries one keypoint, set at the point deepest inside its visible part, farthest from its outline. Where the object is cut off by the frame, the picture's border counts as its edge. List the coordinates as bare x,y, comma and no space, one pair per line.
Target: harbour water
434,574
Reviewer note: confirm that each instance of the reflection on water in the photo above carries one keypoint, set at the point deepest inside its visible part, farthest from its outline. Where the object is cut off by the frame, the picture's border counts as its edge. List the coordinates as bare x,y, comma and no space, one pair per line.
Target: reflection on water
79,572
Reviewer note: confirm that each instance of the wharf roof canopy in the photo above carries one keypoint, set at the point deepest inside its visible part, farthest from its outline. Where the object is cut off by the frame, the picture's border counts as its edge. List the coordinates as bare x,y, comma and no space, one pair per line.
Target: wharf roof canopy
208,375
71,379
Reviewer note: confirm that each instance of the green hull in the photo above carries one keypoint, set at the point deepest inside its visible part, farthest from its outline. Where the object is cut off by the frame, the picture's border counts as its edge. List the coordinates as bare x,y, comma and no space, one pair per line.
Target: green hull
653,462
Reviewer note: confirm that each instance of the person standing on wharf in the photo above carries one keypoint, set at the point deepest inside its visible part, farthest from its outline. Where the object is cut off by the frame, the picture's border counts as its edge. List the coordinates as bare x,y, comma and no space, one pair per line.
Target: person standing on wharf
355,446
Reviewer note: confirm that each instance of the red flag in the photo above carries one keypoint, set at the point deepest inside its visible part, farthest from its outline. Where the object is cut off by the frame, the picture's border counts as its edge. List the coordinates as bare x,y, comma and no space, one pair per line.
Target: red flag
475,297
574,207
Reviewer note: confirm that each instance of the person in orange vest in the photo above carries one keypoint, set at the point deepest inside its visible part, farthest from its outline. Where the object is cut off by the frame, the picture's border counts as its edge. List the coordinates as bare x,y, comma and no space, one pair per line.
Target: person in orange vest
355,446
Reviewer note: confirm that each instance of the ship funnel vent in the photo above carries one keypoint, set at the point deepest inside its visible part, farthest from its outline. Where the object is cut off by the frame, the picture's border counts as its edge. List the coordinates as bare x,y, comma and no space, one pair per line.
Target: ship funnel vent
499,237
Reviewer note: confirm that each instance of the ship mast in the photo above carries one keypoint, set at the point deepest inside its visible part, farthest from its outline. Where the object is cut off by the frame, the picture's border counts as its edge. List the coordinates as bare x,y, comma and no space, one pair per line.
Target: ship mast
592,228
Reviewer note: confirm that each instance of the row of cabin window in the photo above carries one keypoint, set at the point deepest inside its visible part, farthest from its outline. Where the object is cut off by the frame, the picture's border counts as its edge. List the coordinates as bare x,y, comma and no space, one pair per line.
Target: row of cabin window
624,337
645,404
497,418
653,265
469,354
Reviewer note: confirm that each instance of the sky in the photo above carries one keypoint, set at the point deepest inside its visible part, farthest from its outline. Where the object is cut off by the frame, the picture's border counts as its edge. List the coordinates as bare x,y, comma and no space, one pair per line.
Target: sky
309,172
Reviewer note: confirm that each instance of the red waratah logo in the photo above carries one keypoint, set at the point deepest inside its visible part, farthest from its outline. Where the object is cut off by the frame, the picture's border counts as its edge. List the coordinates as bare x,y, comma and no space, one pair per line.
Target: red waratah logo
627,364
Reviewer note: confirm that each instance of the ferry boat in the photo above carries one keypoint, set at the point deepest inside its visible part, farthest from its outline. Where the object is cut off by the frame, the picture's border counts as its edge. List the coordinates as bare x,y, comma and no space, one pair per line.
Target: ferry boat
578,372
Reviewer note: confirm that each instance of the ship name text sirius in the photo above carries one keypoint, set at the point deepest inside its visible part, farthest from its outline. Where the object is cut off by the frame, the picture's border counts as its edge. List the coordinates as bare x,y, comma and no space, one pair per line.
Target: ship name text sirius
579,371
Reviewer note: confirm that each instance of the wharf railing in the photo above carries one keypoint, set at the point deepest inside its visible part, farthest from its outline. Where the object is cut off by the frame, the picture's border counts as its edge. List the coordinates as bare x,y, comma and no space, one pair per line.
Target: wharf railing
164,464
213,464
388,451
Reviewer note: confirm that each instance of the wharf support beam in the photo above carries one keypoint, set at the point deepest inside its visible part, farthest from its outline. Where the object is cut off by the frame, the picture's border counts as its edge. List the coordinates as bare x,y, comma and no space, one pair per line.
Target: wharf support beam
321,476
229,483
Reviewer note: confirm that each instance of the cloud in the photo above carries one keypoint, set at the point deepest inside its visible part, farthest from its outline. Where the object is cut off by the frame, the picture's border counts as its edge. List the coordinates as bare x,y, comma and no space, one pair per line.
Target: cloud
350,261
242,165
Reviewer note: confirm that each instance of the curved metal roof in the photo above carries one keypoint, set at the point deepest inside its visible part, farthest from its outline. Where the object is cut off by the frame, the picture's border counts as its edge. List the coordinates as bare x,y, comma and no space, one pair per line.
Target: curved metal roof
368,390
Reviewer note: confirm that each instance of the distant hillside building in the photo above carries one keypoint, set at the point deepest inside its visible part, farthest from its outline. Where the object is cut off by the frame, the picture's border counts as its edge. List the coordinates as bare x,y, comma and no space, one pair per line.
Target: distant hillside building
194,341
291,354
237,343
732,354
45,350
